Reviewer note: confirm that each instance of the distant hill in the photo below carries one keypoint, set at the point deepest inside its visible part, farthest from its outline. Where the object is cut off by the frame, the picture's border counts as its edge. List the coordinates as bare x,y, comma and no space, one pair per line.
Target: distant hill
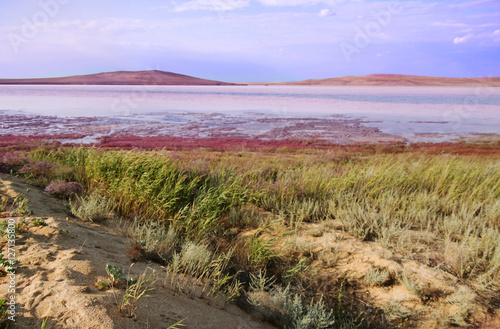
398,80
156,77
120,78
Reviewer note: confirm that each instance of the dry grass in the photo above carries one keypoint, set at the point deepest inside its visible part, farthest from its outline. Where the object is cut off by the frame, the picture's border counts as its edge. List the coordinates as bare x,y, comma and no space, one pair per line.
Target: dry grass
194,203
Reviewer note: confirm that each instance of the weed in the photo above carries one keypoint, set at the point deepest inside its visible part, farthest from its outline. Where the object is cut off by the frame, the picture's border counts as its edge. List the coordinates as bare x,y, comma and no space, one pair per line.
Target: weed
389,198
259,281
296,271
292,312
44,323
3,310
3,204
103,284
136,253
423,290
135,291
157,241
177,325
378,277
8,265
20,207
38,222
116,275
260,252
93,208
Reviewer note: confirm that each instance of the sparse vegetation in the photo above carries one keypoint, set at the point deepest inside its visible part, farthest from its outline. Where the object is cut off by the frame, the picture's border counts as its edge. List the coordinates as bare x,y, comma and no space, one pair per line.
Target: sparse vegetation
378,277
92,207
190,209
135,292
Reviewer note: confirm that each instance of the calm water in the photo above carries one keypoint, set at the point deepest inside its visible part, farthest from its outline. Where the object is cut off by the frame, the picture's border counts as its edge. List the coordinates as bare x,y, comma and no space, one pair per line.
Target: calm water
399,110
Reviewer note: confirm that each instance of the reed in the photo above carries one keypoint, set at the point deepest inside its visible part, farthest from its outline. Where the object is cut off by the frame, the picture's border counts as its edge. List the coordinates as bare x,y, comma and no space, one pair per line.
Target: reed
200,195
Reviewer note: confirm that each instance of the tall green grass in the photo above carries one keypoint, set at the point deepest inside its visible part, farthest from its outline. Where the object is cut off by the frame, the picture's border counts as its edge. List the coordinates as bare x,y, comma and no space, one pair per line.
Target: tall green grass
381,197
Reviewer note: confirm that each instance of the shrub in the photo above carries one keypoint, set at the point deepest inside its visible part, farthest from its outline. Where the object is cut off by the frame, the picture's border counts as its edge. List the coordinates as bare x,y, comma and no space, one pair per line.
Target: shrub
62,189
40,168
12,161
92,208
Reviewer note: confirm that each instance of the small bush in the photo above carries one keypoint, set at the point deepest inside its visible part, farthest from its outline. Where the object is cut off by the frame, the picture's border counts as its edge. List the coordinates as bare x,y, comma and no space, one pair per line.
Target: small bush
39,222
157,241
115,274
37,173
378,277
62,189
291,312
92,208
12,161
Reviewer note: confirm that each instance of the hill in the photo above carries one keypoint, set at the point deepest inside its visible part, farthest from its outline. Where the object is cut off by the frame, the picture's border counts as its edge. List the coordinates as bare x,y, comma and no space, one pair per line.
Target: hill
153,77
398,80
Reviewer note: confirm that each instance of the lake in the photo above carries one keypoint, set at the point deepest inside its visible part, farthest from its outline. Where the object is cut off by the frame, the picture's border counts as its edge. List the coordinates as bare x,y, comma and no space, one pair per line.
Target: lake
413,113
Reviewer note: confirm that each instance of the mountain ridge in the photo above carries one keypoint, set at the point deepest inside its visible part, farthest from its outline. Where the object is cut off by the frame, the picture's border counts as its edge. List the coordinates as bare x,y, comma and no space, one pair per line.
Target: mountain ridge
152,77
156,77
398,80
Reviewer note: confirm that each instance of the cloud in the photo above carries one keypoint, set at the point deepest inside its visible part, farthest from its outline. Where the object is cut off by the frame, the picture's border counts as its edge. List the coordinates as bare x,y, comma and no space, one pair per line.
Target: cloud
290,3
463,39
496,35
326,12
472,3
212,5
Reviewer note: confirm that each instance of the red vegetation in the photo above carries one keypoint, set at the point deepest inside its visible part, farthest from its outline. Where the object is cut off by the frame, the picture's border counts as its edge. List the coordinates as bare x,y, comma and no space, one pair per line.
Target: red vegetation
20,142
215,143
12,142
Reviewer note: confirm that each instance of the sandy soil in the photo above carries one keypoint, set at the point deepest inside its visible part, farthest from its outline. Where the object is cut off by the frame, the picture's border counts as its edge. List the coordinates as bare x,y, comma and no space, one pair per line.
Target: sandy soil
440,301
60,262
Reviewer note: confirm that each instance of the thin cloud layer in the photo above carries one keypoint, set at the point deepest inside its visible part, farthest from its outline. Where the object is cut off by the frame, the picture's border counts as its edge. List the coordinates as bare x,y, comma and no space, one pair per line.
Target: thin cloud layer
250,40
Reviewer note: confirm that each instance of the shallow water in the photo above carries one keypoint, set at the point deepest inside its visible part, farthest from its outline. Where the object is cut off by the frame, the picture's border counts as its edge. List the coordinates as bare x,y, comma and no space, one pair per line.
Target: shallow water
403,111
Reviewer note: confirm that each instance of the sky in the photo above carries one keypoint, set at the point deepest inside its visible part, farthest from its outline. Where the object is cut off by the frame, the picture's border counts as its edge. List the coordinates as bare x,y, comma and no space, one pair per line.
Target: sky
250,40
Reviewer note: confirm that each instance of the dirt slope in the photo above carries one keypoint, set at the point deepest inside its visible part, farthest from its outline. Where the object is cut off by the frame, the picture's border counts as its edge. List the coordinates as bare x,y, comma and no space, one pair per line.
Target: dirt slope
60,262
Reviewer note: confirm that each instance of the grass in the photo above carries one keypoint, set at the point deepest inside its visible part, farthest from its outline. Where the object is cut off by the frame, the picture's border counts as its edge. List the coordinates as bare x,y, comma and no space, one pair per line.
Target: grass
378,277
135,292
187,207
92,207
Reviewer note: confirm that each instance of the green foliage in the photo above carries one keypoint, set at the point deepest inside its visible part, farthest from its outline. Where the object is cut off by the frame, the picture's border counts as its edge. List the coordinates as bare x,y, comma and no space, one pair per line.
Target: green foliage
38,222
92,207
387,198
296,271
156,239
115,274
135,292
7,265
260,252
103,285
290,309
44,323
20,207
3,308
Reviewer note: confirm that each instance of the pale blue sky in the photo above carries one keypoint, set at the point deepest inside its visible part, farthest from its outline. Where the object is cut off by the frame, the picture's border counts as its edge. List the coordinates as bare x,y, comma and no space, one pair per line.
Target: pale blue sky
250,40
